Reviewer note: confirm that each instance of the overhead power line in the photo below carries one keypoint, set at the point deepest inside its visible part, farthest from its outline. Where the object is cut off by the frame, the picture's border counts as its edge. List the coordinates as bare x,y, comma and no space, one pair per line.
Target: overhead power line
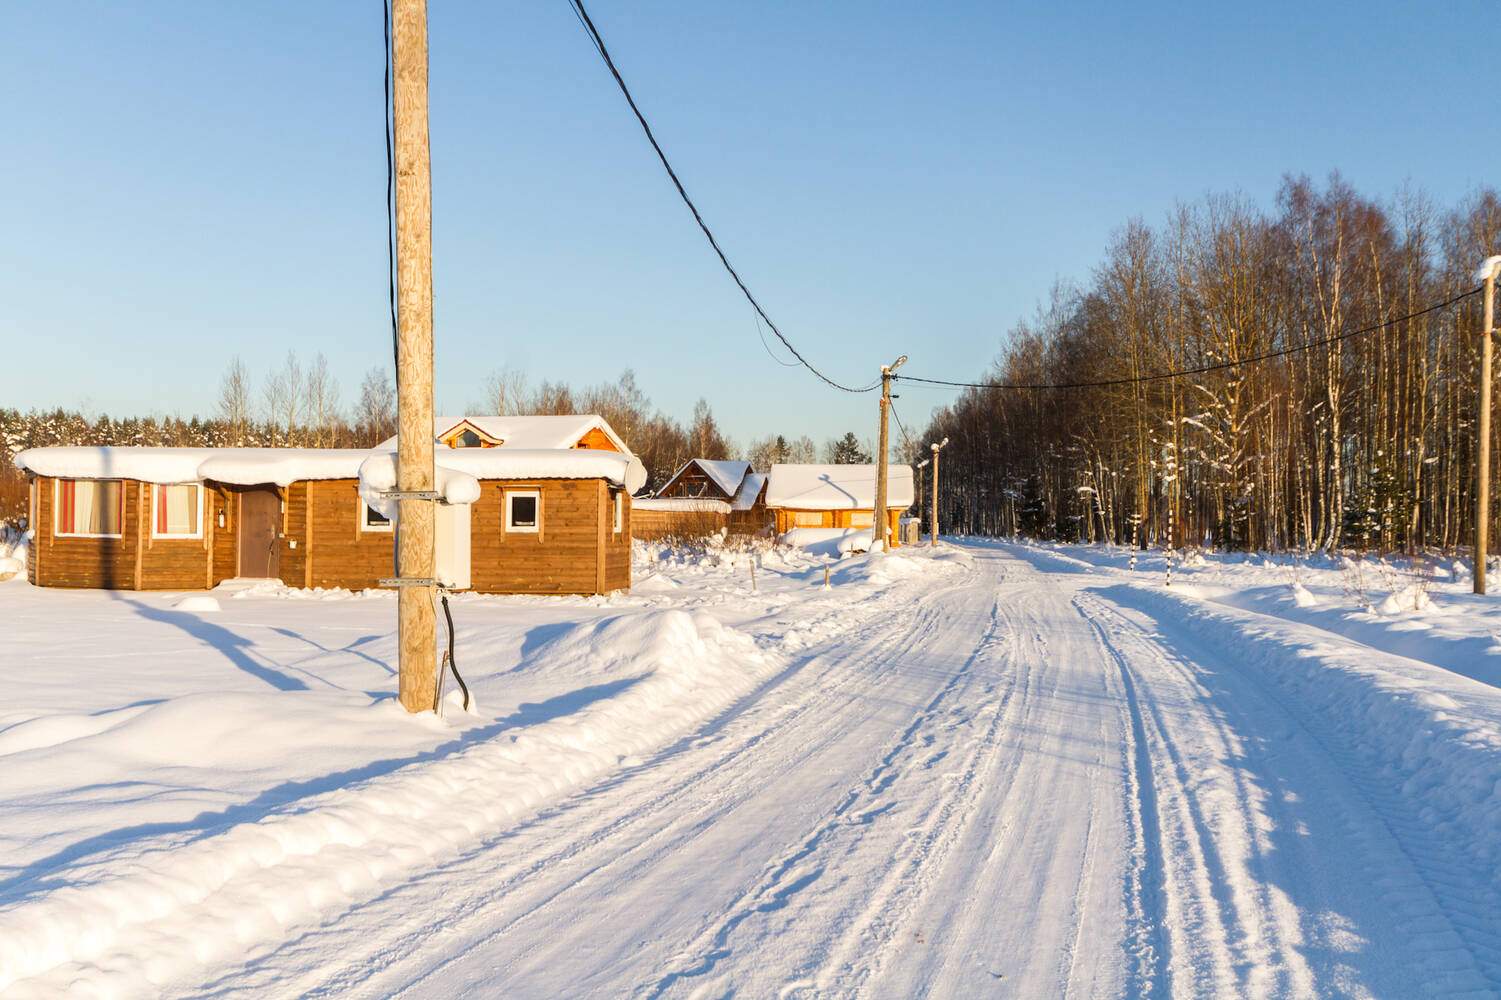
599,45
1218,366
385,114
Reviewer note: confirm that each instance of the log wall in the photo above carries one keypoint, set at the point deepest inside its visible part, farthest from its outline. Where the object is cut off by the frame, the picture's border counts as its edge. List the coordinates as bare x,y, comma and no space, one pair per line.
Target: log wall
562,558
322,543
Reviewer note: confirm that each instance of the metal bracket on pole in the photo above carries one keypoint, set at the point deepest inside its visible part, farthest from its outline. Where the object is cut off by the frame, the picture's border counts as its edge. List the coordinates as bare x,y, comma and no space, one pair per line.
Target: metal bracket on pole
412,494
407,581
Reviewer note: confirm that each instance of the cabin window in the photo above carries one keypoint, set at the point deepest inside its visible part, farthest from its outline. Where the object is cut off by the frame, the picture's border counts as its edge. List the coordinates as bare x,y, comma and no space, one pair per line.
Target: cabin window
862,519
373,520
807,519
90,507
524,510
468,439
177,510
619,513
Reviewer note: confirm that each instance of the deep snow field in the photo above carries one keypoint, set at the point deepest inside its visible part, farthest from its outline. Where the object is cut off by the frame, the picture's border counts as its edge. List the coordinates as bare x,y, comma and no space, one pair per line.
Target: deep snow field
983,769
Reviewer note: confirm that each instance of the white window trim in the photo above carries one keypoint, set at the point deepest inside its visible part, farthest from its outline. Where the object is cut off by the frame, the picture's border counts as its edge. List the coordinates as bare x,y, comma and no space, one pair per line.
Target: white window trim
511,528
155,499
385,527
619,511
57,509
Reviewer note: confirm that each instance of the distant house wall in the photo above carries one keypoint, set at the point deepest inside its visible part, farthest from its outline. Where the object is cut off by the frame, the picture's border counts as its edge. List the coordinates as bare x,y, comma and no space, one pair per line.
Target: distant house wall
574,550
656,525
788,518
132,560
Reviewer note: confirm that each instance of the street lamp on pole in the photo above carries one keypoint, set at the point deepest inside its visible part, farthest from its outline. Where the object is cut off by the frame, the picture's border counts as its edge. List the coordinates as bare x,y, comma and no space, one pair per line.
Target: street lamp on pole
878,516
936,449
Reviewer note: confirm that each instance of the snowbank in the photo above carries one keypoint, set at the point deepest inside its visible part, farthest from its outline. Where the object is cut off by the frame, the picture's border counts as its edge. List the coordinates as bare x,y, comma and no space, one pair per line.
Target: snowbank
129,922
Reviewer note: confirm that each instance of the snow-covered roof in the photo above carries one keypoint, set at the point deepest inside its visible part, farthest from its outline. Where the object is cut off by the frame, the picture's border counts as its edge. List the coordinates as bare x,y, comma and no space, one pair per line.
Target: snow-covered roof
689,504
528,433
459,470
836,487
456,468
726,475
237,466
750,489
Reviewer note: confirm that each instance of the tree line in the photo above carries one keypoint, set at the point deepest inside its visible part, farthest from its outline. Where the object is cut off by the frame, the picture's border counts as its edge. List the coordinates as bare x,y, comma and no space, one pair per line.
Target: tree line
1366,440
300,405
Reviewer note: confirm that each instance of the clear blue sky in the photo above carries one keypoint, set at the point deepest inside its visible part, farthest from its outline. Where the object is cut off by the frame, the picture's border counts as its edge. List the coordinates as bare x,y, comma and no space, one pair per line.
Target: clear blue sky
186,182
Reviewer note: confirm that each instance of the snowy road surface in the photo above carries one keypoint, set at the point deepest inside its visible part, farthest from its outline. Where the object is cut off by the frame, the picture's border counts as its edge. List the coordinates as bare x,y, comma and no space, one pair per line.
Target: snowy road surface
1008,772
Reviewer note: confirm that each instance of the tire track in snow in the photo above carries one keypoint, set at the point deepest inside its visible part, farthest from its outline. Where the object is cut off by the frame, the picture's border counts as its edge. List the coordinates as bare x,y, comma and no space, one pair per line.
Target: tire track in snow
1234,940
598,837
791,872
1407,867
1146,886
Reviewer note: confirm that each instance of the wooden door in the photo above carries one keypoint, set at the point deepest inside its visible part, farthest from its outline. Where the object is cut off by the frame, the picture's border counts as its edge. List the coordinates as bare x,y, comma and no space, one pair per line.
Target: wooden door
260,519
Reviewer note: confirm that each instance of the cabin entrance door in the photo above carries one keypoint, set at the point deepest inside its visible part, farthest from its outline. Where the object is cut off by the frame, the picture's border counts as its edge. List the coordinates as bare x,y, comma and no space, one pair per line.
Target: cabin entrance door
260,516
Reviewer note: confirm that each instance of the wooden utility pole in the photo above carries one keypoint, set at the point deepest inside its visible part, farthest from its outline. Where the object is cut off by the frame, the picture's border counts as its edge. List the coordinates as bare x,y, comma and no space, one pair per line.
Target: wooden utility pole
936,449
921,493
1483,464
416,625
878,515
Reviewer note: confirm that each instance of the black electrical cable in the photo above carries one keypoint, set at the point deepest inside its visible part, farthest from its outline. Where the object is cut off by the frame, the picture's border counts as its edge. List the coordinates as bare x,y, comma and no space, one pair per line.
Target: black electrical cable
599,45
900,427
1322,342
453,664
386,100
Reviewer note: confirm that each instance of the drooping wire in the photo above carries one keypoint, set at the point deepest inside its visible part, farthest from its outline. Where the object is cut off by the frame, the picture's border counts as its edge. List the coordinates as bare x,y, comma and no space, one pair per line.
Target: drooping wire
387,100
1203,369
769,353
901,428
587,23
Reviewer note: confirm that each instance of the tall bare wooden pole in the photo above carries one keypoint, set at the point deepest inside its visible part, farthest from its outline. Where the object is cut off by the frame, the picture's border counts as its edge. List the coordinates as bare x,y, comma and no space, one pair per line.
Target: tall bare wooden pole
936,449
935,494
417,635
878,515
1483,463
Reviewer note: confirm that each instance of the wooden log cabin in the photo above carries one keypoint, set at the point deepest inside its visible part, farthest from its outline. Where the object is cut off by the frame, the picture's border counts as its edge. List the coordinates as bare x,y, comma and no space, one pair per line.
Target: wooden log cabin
539,519
705,497
836,496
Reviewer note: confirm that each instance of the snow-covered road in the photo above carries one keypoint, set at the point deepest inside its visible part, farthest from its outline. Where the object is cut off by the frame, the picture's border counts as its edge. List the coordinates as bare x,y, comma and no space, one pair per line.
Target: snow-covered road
1012,774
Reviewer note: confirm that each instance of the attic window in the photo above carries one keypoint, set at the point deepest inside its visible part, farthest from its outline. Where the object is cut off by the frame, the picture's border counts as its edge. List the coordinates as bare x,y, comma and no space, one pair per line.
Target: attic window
467,439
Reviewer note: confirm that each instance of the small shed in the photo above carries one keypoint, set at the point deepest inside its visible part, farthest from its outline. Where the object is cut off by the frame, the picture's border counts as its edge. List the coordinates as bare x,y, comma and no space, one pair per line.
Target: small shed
835,496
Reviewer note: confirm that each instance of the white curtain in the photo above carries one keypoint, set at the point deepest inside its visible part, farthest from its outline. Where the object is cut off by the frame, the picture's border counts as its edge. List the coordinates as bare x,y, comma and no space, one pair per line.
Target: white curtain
96,507
178,513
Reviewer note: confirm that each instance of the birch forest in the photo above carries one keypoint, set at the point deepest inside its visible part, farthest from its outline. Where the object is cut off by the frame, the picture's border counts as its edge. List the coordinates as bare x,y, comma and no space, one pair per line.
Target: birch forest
1366,440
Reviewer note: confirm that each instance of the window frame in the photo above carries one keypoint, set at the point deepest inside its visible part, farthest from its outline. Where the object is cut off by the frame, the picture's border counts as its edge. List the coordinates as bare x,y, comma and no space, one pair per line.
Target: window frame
57,508
508,524
382,527
156,498
619,496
